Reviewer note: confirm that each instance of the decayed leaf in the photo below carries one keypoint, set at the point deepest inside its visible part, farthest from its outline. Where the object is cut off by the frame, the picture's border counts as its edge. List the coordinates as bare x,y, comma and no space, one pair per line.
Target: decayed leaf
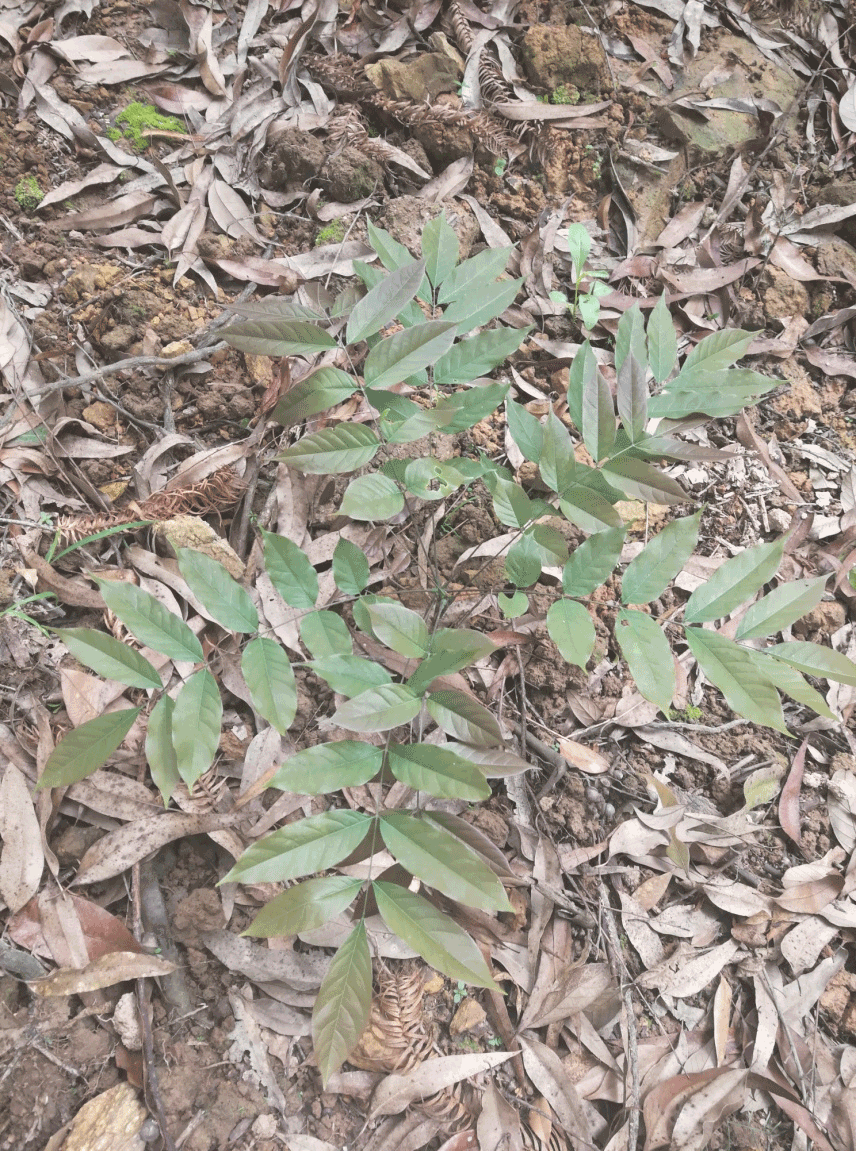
119,849
22,859
682,977
397,1092
545,1069
116,967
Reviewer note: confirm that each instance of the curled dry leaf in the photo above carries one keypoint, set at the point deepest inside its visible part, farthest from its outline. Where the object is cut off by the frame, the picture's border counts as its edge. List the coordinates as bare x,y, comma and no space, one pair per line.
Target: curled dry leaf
789,800
584,758
116,967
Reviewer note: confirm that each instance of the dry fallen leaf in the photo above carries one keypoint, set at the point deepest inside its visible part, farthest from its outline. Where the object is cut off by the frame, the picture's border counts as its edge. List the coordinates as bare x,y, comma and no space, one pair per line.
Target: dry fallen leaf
116,967
22,859
396,1092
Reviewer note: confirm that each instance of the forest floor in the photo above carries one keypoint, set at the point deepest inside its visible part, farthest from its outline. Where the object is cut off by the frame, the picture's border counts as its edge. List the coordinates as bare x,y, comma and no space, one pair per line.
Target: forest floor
707,148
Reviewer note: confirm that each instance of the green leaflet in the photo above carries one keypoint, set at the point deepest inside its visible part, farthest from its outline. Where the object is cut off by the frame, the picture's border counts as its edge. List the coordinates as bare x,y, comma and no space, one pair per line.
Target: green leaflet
648,656
738,676
433,935
350,567
290,571
442,861
651,572
463,717
593,562
150,622
160,752
313,844
782,607
323,390
344,1001
87,748
327,767
326,634
437,770
343,448
110,658
372,497
383,302
196,722
571,629
270,678
222,597
736,581
308,905
378,709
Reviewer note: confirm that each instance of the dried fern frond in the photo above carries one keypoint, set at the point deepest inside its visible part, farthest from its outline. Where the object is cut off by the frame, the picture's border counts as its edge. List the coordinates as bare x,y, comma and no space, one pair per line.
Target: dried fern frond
215,493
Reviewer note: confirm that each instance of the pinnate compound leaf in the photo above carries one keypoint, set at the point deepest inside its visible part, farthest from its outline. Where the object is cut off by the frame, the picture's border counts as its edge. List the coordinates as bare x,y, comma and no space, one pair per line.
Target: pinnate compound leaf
648,656
788,680
374,497
570,627
87,748
399,628
642,481
220,595
662,341
270,678
557,463
463,717
781,607
738,676
437,938
476,356
278,338
333,450
588,509
378,709
816,660
392,254
313,844
719,350
160,753
384,301
150,622
442,861
290,571
350,567
110,658
327,767
324,389
306,906
350,674
437,770
593,562
736,581
407,352
439,248
470,275
196,723
651,572
344,1002
326,634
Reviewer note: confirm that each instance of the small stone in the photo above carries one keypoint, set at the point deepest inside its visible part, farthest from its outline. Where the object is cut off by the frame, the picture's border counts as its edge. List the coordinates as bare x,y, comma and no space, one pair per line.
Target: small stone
101,416
177,348
127,1023
434,985
469,1015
